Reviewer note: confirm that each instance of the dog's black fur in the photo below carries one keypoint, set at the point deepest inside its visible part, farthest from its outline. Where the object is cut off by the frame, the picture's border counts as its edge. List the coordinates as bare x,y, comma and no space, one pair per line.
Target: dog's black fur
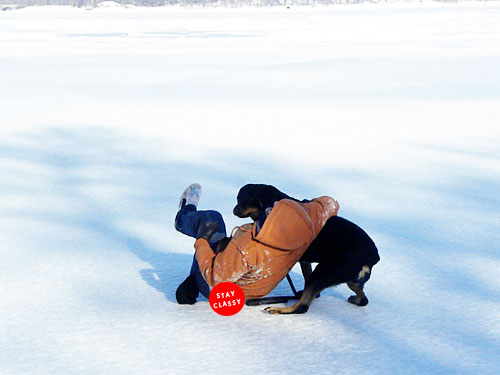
343,251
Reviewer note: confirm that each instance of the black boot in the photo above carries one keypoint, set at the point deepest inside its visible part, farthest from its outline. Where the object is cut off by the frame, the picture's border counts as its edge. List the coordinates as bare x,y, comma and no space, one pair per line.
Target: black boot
187,292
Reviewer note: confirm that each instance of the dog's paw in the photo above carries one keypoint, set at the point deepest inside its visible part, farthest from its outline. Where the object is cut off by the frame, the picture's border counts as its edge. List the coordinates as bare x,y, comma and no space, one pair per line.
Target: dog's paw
300,309
273,310
358,301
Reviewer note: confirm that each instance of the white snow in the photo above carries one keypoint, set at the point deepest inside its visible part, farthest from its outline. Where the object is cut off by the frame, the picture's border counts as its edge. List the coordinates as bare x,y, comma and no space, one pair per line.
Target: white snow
107,115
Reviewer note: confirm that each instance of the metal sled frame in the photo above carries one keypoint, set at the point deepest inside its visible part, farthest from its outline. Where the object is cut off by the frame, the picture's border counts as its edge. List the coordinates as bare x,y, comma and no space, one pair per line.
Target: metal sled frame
277,299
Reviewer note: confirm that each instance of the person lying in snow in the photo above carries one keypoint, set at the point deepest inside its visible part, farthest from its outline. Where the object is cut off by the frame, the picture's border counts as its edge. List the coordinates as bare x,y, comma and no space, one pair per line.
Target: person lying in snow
256,260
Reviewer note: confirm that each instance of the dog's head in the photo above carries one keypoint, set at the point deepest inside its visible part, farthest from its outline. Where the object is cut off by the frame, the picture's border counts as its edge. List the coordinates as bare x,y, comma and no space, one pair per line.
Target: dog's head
255,198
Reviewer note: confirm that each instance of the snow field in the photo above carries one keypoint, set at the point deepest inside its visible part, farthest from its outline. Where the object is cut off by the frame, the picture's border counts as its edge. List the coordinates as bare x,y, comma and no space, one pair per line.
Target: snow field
107,115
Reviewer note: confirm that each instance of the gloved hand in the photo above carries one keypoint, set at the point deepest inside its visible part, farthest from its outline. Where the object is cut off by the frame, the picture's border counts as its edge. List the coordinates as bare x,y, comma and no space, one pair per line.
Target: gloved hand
222,244
207,230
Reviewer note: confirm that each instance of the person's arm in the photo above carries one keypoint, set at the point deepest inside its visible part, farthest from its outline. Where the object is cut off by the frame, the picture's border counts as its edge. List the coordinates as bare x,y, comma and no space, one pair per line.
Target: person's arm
228,265
329,205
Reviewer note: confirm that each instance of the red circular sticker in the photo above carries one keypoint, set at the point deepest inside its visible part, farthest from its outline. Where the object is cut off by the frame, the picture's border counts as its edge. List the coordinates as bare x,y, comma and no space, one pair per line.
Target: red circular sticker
226,299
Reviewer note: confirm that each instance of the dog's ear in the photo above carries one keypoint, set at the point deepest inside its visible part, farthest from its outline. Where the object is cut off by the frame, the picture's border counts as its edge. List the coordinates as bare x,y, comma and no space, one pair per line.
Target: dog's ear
268,196
243,194
275,195
258,198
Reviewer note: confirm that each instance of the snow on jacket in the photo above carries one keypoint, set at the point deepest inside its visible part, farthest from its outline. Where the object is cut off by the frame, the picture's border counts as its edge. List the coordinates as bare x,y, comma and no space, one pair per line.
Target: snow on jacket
258,262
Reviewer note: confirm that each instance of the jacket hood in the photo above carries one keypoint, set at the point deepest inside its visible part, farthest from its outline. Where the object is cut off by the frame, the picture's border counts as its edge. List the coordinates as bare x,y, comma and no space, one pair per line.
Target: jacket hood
288,227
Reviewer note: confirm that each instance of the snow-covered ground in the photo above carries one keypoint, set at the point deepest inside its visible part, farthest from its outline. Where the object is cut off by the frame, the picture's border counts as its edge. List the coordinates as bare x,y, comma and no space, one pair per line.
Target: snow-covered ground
107,115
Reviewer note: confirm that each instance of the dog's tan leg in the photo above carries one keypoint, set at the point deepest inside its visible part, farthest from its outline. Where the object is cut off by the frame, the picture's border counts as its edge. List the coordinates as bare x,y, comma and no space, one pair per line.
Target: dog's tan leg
300,307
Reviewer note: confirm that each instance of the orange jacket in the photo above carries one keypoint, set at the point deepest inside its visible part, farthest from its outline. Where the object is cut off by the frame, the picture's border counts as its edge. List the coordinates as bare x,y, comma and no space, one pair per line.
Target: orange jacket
257,263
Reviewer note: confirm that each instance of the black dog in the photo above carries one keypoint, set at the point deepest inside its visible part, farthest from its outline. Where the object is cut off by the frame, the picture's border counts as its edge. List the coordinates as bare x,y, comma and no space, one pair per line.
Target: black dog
343,251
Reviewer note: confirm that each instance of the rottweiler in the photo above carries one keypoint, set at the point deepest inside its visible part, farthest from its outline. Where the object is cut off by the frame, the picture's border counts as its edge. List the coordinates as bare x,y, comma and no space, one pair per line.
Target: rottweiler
344,252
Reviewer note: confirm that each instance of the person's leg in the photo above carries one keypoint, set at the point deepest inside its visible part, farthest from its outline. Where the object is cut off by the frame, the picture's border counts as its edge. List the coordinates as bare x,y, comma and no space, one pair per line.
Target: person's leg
189,221
201,284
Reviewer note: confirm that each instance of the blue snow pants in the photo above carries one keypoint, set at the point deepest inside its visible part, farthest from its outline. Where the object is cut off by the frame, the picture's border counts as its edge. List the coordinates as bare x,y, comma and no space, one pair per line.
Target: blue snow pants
189,221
